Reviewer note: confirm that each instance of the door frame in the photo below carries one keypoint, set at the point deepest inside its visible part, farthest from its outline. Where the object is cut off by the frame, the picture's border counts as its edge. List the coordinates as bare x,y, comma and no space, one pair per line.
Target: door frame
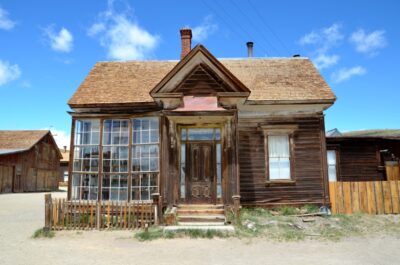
214,143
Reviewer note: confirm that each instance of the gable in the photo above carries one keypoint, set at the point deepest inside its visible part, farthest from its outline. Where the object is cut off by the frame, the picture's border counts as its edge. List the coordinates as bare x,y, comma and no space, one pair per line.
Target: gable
199,69
202,81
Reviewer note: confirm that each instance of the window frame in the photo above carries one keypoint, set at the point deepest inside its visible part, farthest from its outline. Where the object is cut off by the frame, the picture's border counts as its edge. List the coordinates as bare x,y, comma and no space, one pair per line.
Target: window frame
79,146
140,175
280,130
335,148
76,141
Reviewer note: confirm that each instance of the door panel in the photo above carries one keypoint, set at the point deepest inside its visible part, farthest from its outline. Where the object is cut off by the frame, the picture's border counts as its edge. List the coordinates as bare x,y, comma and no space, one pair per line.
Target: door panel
200,187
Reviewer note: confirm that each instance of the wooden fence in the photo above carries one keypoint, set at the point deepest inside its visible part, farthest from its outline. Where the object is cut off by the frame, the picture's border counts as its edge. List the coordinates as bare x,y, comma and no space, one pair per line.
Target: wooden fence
373,197
62,214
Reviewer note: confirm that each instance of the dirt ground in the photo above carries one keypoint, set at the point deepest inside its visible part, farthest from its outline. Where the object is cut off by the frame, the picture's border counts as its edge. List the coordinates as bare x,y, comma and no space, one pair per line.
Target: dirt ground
22,214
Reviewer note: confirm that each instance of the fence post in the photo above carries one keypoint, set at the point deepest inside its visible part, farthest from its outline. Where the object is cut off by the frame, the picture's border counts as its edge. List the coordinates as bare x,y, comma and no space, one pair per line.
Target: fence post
47,212
236,207
98,215
158,210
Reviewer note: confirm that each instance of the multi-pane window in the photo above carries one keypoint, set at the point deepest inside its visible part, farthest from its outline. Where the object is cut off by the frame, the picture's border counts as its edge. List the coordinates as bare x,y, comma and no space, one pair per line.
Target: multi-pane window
86,159
84,186
145,157
331,155
278,157
115,159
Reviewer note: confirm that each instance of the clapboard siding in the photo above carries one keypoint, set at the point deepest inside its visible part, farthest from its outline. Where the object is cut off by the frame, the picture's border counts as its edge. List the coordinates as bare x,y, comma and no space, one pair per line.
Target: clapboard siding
307,169
359,159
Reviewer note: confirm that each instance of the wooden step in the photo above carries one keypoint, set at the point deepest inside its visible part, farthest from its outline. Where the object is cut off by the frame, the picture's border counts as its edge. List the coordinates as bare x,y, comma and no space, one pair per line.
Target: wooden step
200,206
201,218
187,211
194,225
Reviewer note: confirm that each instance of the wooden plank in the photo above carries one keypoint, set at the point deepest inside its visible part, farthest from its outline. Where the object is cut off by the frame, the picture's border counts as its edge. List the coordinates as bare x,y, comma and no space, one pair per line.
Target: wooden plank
363,197
371,198
387,197
395,196
332,196
347,197
339,197
380,209
355,201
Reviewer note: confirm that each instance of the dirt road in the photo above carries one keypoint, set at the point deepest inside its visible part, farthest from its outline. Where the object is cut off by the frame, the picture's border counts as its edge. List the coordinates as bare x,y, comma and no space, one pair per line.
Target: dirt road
22,214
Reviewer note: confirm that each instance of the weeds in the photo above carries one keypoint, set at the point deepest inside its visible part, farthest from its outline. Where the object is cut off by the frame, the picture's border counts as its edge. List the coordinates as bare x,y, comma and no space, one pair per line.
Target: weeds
41,233
158,233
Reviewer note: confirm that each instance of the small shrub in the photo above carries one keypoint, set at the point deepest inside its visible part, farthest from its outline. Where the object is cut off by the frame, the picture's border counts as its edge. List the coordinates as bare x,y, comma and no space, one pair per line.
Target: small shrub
150,234
41,233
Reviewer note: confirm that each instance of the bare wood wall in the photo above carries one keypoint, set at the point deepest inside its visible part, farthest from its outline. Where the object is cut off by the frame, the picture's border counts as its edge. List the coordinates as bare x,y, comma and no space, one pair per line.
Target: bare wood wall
307,169
34,170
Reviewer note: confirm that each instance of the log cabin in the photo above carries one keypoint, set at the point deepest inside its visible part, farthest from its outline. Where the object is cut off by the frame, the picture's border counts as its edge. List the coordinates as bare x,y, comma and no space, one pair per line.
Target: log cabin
201,130
29,161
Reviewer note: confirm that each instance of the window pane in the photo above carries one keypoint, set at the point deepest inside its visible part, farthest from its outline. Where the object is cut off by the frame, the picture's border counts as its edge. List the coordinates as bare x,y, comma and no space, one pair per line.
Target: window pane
200,134
145,157
279,157
278,146
332,173
273,168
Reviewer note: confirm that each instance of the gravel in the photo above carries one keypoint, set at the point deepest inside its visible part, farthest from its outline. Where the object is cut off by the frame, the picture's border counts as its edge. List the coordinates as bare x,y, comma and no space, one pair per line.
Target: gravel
22,214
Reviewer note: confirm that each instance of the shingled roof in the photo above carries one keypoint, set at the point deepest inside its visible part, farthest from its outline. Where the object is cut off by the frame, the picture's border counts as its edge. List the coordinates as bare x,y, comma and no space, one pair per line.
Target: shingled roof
18,141
268,79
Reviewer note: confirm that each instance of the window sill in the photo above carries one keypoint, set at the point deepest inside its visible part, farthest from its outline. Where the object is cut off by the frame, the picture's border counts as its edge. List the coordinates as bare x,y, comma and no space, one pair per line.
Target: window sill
278,182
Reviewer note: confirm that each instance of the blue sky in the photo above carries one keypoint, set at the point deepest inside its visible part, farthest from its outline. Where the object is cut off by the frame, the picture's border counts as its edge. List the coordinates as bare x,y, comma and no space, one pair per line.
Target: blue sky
48,47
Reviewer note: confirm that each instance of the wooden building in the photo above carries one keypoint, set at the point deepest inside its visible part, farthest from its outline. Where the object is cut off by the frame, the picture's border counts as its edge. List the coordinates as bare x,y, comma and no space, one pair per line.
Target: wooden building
201,130
64,164
363,157
29,161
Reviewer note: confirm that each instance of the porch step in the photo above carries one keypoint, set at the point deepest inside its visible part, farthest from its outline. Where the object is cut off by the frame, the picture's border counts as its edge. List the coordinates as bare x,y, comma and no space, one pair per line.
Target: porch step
202,226
188,211
201,215
219,218
200,206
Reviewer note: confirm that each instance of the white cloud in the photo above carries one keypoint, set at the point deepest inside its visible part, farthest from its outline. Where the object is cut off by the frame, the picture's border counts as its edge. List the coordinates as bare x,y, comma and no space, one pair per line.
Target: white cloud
5,22
122,36
8,72
61,41
204,30
323,61
61,137
368,43
324,38
346,73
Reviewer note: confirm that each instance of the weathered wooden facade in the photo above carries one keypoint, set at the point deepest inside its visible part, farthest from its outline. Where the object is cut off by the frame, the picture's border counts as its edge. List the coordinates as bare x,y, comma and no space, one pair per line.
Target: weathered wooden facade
363,158
201,130
29,161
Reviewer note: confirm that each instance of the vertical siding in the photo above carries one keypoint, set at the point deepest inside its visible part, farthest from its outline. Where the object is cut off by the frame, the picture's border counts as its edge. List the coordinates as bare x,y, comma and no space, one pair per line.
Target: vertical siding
307,169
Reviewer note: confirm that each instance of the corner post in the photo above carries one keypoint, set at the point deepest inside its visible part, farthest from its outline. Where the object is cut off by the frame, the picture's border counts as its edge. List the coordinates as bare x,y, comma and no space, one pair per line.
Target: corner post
47,212
236,207
158,210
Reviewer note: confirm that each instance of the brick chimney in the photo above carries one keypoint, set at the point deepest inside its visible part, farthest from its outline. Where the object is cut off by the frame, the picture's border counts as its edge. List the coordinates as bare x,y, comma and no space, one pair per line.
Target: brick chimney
186,40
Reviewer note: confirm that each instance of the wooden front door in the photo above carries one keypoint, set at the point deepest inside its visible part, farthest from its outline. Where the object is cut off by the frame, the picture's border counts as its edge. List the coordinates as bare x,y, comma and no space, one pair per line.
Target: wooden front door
200,172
